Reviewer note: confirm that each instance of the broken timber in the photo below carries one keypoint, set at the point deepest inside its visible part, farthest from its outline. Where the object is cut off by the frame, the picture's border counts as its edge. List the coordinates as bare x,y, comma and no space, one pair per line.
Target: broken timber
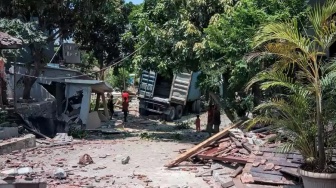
203,144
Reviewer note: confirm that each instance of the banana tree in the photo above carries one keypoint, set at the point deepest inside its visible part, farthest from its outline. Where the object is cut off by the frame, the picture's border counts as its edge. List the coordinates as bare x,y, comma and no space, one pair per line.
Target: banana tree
301,108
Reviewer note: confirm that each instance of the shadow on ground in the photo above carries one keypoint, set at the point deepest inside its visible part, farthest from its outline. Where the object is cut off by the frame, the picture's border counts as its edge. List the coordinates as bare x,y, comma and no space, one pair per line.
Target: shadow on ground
149,128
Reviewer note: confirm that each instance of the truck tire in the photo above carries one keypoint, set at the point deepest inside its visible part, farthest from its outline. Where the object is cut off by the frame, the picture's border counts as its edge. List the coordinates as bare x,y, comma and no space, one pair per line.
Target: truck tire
171,115
179,112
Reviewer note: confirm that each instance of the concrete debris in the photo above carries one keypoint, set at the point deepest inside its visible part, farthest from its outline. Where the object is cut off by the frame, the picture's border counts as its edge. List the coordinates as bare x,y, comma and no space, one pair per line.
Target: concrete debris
125,160
25,170
60,173
259,159
10,172
85,160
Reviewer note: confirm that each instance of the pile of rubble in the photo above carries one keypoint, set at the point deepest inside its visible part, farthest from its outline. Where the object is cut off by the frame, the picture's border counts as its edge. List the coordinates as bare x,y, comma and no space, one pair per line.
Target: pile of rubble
253,157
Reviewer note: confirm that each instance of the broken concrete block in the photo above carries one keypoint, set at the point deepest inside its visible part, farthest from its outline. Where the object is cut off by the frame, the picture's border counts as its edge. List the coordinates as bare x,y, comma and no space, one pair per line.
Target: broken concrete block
269,167
247,178
125,160
25,170
28,141
60,173
263,161
8,132
10,172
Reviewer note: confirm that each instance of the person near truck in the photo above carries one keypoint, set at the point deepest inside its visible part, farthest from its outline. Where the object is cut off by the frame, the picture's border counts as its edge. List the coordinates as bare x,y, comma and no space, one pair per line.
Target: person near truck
125,95
110,105
198,124
216,119
125,108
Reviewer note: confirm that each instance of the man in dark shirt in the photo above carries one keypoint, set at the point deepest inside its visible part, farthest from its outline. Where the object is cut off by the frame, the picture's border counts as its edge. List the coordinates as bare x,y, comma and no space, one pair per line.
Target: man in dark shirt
125,108
110,105
210,120
216,119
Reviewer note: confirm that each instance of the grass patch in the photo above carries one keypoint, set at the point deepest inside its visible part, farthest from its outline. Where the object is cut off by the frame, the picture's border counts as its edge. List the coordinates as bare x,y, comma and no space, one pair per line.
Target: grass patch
183,125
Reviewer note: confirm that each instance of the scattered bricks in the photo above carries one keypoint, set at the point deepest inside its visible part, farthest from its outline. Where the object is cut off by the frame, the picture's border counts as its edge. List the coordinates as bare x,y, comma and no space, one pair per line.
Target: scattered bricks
263,161
28,141
60,173
247,178
244,151
224,145
125,160
277,167
103,156
256,164
269,167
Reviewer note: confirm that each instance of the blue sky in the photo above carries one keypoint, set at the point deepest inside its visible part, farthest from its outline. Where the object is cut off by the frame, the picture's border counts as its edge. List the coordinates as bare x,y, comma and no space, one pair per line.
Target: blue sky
135,1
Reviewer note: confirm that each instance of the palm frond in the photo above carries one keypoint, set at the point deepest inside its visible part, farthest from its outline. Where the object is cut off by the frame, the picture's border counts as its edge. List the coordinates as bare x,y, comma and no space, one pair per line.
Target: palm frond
283,31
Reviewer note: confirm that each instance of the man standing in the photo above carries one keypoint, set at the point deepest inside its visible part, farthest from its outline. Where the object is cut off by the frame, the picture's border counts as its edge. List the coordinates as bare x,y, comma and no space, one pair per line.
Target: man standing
216,119
210,120
125,95
110,105
125,108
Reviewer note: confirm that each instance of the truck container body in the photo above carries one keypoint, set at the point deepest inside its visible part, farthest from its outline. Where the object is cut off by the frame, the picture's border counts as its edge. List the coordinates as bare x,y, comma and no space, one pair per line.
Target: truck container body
169,96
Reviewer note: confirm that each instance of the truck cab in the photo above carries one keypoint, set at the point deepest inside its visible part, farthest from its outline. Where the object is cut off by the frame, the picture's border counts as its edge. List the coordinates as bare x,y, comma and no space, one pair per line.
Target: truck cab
170,95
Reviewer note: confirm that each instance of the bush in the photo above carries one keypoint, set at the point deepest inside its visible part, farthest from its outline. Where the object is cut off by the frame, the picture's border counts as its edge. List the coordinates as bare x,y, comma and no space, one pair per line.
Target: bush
117,78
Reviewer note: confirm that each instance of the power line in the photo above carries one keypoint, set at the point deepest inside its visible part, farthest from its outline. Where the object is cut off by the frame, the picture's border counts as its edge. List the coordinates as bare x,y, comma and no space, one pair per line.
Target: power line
93,72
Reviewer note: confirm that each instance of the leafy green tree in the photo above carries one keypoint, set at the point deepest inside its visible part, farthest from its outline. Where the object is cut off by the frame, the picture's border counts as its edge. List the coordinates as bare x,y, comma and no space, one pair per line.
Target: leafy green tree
55,19
101,33
35,41
228,40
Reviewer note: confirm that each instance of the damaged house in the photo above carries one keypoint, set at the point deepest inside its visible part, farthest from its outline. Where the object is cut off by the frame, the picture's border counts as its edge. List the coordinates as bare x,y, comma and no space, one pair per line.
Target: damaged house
61,98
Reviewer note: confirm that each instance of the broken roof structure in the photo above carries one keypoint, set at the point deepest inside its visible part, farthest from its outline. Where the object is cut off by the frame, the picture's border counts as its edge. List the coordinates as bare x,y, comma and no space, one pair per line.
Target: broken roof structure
96,85
9,42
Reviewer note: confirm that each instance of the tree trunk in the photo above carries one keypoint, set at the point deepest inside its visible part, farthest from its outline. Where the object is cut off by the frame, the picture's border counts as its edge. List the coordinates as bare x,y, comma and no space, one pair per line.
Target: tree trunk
28,82
321,149
229,113
101,77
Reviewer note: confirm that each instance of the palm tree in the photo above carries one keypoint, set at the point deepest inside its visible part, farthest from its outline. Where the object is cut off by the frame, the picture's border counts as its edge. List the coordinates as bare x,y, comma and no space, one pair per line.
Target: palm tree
301,108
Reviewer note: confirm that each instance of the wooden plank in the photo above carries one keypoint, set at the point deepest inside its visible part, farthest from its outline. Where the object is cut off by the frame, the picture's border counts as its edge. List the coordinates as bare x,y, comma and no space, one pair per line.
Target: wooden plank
238,171
205,143
207,171
260,169
227,184
238,183
248,147
290,172
267,177
279,162
226,158
273,182
235,140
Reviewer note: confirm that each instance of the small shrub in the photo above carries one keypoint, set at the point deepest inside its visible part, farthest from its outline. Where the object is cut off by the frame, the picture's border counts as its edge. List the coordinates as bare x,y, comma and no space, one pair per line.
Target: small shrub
183,125
77,132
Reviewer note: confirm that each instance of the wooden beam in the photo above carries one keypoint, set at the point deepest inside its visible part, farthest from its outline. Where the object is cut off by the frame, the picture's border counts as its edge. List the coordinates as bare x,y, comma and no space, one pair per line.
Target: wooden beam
203,144
238,171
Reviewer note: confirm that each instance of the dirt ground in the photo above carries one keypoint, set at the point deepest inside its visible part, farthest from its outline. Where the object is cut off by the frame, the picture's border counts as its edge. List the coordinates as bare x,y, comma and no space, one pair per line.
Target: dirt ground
149,143
144,169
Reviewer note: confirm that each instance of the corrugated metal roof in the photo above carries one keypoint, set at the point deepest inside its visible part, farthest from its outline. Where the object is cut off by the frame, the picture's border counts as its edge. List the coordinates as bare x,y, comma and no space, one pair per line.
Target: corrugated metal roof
96,85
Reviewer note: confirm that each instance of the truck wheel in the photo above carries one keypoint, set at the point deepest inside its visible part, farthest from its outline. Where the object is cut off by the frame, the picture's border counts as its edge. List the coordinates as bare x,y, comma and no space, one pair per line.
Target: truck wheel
142,112
179,112
171,115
